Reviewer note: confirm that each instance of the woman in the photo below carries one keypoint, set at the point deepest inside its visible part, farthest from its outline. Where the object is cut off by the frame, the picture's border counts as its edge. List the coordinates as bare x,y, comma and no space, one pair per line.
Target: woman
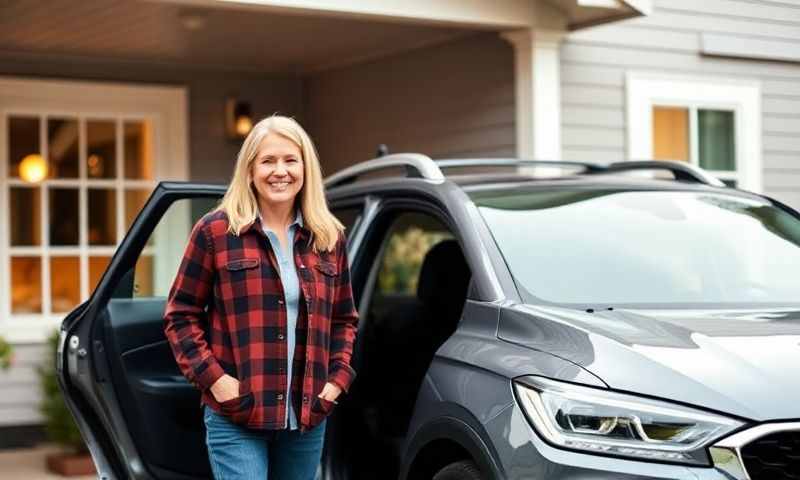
272,352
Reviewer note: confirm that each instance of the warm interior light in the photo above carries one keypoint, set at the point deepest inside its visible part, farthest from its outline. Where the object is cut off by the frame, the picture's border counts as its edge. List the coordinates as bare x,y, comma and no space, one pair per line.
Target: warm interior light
238,118
33,168
243,125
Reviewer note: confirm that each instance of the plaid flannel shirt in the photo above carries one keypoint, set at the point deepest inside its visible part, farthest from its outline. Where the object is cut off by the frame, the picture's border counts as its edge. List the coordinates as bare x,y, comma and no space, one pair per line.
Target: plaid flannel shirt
226,313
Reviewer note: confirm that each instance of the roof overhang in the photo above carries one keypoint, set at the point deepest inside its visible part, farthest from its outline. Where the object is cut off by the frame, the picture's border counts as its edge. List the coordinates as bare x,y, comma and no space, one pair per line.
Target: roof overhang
503,14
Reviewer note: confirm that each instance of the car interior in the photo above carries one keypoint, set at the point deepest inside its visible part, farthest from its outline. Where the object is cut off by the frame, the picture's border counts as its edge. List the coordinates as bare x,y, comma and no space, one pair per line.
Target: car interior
414,295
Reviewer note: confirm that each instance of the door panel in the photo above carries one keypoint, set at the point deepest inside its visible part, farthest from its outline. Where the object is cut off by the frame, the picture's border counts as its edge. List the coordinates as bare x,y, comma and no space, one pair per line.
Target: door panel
117,369
159,404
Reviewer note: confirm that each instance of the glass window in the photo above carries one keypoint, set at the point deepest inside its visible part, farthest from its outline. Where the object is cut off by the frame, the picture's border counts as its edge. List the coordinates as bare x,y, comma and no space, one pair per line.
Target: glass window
348,216
645,247
26,285
26,216
703,137
671,133
24,145
68,204
64,216
102,216
138,145
65,292
158,263
101,149
62,151
716,140
412,236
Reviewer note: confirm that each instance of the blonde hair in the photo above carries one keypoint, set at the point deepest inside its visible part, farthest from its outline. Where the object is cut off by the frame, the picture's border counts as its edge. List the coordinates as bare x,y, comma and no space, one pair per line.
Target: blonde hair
241,204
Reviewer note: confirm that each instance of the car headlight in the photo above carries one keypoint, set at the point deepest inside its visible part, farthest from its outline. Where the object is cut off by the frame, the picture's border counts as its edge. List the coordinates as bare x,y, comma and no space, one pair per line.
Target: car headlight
603,422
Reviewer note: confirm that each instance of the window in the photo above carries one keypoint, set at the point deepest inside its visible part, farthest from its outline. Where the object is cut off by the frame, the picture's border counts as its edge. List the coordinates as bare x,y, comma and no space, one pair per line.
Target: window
157,265
713,124
77,162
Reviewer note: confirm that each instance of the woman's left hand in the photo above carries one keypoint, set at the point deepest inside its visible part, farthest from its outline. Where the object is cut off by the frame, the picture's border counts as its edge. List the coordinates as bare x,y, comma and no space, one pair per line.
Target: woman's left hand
330,392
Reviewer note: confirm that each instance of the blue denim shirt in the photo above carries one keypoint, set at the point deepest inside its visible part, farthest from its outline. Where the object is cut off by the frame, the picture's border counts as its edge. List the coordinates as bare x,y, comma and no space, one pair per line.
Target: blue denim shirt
291,291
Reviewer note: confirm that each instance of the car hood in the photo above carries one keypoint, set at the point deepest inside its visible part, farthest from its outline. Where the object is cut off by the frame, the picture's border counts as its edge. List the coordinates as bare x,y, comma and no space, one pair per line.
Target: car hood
745,363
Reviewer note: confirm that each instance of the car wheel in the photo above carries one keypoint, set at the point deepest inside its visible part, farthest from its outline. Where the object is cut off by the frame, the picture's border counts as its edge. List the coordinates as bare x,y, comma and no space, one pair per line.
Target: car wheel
463,470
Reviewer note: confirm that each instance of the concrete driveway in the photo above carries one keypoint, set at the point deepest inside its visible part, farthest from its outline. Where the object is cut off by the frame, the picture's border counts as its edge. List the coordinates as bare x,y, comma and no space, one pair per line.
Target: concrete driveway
29,464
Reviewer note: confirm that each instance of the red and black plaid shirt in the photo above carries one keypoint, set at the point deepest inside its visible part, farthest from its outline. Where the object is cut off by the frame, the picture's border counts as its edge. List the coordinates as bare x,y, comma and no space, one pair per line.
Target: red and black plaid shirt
226,313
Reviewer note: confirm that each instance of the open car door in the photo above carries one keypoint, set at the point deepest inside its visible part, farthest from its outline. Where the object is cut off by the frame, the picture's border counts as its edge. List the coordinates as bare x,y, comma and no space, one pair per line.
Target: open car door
141,418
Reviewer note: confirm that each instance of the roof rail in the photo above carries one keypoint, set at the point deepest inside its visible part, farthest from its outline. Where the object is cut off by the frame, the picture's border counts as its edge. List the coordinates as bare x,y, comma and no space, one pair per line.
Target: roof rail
417,165
514,162
682,171
422,166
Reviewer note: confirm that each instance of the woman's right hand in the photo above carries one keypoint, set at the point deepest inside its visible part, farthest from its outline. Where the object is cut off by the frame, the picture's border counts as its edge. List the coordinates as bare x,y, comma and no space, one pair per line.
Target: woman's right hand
225,388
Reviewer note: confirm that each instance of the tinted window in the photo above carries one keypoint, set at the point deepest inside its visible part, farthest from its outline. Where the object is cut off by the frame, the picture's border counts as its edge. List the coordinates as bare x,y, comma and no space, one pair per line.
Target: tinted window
645,247
348,216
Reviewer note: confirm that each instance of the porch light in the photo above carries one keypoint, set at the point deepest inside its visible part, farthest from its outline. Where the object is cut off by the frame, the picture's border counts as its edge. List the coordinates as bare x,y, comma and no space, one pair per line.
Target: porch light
238,118
33,168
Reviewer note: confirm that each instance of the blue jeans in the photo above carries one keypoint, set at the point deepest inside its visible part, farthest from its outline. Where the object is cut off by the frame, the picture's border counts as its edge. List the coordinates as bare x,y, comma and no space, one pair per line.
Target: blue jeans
239,453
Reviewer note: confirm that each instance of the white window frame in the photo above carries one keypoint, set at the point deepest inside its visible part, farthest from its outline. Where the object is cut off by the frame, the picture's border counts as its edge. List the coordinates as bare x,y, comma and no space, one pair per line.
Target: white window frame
164,106
645,90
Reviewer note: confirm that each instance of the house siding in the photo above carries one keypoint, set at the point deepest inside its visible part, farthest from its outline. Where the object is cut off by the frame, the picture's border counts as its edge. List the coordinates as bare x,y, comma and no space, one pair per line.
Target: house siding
594,63
450,100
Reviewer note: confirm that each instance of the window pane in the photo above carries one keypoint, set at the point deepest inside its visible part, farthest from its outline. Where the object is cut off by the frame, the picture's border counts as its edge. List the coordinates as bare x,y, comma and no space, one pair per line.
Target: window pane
143,277
348,216
65,290
62,145
101,142
413,236
670,133
717,147
134,201
63,216
102,217
97,266
138,136
23,140
26,216
26,285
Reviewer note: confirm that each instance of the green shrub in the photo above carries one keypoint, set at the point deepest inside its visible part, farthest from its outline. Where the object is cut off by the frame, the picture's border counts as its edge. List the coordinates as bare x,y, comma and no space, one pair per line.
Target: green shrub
6,354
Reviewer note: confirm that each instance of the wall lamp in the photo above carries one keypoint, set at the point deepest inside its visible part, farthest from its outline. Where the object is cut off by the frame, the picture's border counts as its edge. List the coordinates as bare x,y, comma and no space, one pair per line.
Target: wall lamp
238,118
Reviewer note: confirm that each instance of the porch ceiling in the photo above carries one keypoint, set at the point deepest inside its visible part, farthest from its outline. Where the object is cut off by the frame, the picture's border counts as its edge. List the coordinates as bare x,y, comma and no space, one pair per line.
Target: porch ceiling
203,36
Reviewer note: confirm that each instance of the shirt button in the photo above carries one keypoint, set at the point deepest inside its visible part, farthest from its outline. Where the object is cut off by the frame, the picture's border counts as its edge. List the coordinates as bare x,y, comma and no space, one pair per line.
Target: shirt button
280,336
279,396
280,301
305,398
302,266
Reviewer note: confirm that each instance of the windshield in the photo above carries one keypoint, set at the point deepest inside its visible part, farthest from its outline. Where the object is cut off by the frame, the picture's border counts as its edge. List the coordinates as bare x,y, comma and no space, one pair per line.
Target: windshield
645,247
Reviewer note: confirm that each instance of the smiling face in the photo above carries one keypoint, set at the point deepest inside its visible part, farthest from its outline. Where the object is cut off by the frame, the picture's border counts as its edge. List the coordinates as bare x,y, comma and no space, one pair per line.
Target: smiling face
277,170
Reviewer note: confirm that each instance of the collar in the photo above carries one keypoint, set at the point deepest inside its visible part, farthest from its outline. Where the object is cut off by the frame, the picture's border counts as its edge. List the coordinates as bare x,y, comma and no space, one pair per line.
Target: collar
298,220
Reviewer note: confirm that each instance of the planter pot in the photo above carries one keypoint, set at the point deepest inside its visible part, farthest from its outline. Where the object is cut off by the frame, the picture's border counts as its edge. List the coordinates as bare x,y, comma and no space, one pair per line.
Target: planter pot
70,464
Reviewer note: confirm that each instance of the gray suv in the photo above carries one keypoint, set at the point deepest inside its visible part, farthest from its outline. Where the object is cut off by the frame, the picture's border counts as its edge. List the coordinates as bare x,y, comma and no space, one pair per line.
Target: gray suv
519,319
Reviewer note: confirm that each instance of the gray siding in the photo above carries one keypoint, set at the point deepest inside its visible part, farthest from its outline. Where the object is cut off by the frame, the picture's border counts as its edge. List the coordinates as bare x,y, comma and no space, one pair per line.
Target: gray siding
594,63
19,404
450,100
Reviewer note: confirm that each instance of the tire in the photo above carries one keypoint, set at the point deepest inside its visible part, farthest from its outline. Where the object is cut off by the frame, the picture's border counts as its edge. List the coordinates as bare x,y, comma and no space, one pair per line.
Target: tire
462,470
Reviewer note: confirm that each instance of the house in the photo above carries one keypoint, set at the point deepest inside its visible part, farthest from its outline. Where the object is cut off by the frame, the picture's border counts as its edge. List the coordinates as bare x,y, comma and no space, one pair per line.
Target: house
103,99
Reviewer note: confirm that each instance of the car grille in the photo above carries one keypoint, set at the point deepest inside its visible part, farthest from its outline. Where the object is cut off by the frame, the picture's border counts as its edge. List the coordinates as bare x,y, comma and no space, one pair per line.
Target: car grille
773,457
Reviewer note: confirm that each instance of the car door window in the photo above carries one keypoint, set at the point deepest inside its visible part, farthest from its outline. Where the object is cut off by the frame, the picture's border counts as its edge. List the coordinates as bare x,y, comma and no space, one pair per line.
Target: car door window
349,216
157,264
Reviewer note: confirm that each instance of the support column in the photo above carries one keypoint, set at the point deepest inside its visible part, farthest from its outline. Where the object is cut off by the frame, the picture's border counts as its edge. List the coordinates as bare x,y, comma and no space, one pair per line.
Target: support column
538,92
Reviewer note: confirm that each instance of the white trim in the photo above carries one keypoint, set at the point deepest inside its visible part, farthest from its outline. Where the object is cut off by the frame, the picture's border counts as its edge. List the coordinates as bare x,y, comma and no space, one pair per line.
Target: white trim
167,110
537,92
743,97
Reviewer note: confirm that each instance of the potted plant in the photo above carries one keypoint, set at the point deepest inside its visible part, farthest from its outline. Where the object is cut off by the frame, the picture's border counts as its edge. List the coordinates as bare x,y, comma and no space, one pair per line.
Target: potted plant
6,354
74,458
